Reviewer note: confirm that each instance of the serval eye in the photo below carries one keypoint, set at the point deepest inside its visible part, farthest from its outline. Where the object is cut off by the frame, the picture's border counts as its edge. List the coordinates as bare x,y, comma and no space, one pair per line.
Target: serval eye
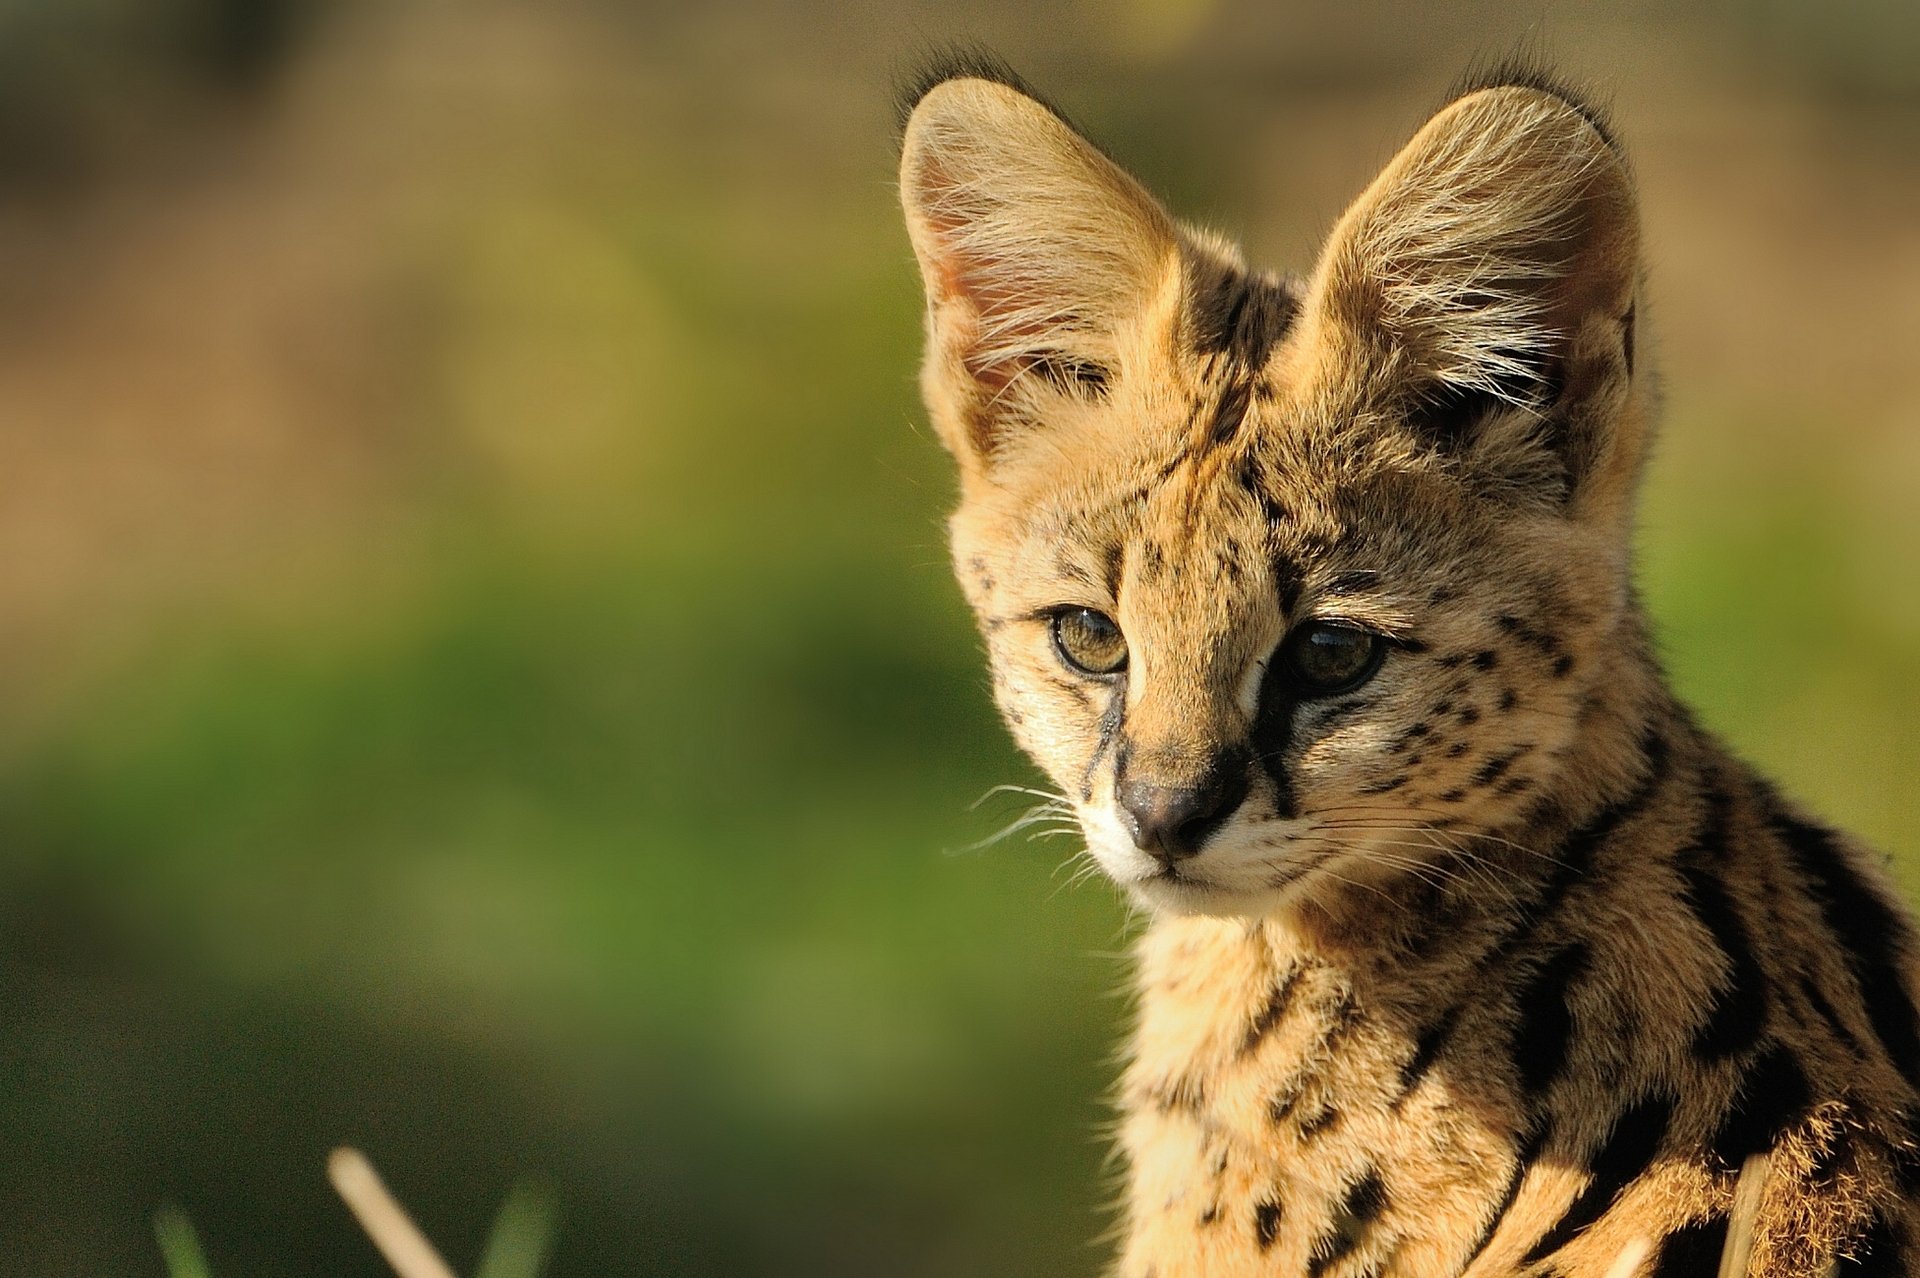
1089,641
1325,657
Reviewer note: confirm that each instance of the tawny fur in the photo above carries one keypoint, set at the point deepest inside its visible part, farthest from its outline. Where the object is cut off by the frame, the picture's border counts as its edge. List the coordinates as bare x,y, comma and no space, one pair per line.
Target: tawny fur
1501,965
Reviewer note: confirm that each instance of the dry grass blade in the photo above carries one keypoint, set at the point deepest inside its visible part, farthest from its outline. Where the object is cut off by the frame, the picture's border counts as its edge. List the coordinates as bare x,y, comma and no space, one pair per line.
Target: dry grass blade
1746,1209
385,1221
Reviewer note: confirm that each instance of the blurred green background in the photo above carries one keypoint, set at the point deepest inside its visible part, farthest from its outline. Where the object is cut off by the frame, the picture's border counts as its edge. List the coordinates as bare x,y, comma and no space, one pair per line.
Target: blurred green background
482,677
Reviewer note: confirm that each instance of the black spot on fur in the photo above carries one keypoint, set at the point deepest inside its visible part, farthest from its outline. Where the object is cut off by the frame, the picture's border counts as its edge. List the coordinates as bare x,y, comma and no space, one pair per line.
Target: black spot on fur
1288,582
1772,1096
1562,666
1318,1121
1544,1030
1874,938
1426,1050
1739,1010
1495,768
1485,659
1692,1251
1266,1223
1577,853
1365,1200
1629,1150
1272,1012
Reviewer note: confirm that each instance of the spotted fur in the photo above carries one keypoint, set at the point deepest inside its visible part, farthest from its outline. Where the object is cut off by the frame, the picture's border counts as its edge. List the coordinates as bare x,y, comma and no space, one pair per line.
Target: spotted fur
1495,963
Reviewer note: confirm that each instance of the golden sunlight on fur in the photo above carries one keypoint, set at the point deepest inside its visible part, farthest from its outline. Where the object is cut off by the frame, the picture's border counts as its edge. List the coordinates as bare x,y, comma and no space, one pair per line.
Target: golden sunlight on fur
1470,952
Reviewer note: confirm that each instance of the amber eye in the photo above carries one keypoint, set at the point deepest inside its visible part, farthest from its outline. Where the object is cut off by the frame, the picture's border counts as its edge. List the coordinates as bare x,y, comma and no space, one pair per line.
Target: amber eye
1326,657
1089,641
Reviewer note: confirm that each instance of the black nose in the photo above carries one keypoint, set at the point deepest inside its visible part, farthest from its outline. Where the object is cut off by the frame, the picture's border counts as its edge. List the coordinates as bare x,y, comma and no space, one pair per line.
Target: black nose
1173,821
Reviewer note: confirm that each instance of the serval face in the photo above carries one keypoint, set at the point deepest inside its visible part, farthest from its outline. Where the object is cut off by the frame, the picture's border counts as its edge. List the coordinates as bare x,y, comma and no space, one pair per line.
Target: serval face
1286,582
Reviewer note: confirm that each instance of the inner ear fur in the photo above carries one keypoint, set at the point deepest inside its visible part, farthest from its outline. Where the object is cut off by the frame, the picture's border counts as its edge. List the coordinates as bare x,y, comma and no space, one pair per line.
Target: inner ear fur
1035,251
1488,276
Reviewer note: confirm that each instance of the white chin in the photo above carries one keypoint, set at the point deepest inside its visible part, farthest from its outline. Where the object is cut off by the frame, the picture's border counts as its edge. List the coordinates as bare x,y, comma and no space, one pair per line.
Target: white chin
1190,894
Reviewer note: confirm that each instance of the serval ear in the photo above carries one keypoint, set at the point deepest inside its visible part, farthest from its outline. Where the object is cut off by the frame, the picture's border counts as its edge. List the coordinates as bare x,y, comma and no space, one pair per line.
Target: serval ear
1036,252
1485,284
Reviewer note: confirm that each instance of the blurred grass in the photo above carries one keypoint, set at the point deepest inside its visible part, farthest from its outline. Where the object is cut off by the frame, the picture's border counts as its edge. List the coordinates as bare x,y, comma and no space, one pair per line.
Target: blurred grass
571,788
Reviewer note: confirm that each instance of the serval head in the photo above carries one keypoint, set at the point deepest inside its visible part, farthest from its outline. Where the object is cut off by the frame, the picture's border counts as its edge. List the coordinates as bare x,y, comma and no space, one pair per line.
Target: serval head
1289,581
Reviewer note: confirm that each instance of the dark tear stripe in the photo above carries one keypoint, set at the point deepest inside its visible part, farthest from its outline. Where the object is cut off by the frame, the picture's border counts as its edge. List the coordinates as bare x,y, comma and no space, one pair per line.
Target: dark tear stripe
1111,720
1544,1032
1522,1164
1279,999
1273,735
1364,1201
1266,1223
1873,936
1739,1011
1772,1095
1692,1251
1878,1255
1629,1150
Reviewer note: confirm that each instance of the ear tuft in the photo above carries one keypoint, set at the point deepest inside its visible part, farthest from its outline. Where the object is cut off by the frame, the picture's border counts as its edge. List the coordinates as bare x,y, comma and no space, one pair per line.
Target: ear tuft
1524,69
961,62
1036,252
